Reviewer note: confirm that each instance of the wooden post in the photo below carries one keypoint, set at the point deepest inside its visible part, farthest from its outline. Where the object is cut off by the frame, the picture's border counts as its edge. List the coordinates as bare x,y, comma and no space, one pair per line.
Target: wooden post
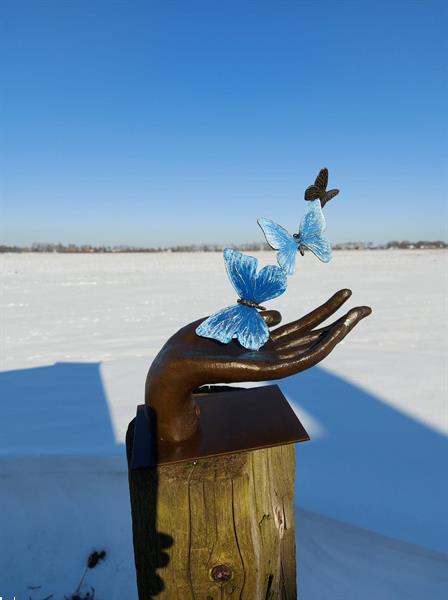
215,528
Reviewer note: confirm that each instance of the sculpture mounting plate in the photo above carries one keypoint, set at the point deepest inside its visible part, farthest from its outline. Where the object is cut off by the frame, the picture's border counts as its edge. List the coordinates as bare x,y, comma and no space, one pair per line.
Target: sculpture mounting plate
235,420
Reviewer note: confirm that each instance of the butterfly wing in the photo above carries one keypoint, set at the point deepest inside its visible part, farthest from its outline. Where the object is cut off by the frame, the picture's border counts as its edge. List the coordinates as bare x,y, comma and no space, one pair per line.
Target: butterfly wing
311,232
270,282
312,193
276,236
279,239
320,185
328,196
321,248
241,270
223,325
252,332
286,257
313,221
242,322
322,179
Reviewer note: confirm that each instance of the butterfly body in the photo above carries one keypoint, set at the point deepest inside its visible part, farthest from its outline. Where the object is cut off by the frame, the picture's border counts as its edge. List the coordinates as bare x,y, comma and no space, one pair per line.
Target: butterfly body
300,248
310,236
319,189
250,304
242,320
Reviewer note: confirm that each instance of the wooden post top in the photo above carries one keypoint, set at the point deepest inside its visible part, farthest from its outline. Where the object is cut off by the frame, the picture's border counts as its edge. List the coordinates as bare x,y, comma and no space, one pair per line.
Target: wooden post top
234,420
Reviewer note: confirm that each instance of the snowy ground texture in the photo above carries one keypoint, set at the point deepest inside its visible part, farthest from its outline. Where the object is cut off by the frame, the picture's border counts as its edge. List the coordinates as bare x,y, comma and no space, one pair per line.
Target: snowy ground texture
79,333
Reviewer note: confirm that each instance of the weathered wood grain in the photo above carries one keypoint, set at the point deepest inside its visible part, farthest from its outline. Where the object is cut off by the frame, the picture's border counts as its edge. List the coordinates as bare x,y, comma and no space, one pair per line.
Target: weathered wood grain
216,528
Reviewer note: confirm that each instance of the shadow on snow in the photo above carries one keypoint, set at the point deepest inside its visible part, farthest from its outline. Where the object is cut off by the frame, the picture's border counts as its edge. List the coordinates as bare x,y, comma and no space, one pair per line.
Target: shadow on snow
369,464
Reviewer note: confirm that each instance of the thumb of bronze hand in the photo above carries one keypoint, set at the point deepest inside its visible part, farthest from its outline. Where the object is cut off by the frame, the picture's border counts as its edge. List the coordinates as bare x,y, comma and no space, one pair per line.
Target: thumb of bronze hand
187,361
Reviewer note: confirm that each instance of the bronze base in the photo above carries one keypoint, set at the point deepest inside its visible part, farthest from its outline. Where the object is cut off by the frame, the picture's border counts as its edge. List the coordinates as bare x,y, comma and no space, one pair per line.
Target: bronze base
235,420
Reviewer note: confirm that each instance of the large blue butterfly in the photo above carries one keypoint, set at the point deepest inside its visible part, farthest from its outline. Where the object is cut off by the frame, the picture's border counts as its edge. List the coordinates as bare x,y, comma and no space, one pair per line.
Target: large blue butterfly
242,320
310,236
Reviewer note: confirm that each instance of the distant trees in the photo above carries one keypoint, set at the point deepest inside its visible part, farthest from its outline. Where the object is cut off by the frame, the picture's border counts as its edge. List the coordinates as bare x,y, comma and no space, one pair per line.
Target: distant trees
421,245
250,247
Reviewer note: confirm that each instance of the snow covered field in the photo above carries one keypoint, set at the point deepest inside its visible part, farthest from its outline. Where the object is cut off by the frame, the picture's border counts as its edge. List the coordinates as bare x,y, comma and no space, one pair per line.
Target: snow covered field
79,333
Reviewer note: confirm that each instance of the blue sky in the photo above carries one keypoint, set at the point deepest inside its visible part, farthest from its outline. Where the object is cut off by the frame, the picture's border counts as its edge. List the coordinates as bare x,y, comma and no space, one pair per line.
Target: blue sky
160,123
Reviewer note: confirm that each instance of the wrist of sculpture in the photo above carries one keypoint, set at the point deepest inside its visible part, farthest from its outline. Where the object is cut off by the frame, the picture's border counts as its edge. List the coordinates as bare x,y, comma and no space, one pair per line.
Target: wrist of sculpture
175,411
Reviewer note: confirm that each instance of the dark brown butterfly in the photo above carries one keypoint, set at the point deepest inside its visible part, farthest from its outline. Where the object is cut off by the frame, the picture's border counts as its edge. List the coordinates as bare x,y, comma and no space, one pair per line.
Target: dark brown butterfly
319,189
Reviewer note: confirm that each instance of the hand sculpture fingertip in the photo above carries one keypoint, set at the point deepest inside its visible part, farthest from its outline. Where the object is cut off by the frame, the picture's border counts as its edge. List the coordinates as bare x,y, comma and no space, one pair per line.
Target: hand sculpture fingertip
366,311
271,317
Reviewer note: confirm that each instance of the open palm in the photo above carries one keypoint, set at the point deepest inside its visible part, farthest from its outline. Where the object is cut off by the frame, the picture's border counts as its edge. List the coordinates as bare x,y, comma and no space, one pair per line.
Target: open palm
187,361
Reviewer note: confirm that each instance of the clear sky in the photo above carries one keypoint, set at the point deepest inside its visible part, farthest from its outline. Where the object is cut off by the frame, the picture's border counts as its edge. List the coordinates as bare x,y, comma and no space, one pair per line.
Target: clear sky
171,122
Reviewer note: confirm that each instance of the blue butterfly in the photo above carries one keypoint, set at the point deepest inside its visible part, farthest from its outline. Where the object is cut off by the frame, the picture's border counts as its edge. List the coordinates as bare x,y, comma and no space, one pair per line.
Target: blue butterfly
243,320
310,236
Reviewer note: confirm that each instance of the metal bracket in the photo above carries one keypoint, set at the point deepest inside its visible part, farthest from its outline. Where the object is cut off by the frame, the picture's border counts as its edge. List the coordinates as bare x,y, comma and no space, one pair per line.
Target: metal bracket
235,420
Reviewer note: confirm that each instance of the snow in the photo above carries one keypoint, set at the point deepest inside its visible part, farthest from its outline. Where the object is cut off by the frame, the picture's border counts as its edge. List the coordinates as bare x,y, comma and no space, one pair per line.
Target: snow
79,332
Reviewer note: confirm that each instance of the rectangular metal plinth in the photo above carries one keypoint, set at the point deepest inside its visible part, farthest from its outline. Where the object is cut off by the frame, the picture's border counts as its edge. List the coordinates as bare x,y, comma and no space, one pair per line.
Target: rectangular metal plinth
231,421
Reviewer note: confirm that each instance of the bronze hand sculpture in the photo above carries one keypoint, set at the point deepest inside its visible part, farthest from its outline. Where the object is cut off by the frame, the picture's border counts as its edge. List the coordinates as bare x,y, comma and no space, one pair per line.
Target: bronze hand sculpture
187,361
